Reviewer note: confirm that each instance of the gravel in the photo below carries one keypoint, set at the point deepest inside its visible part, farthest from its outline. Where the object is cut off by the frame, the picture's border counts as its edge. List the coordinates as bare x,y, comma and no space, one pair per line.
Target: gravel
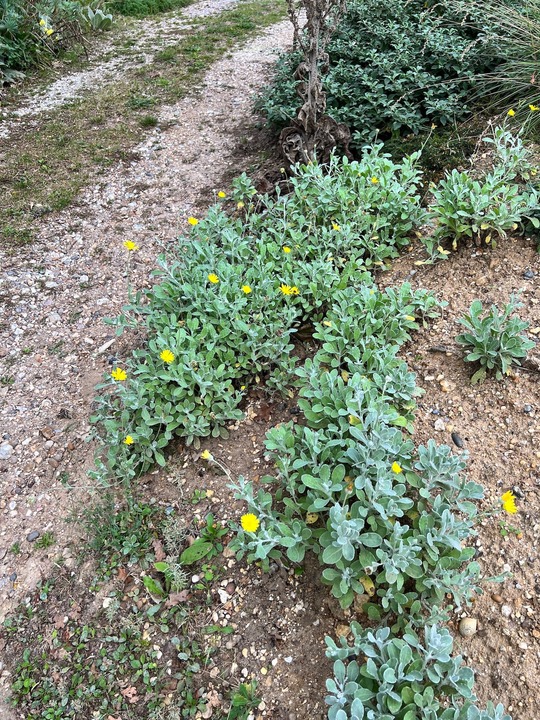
56,293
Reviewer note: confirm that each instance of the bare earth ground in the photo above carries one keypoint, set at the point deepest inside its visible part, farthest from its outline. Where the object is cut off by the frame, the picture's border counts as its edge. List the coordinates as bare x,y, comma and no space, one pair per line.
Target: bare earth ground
55,296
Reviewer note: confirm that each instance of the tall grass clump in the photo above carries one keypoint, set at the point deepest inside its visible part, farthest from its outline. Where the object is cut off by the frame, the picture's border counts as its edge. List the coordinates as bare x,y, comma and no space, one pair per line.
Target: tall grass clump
513,86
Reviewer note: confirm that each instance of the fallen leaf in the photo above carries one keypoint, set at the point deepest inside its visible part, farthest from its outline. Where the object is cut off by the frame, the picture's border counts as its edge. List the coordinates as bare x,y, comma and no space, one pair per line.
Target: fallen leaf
177,598
264,412
59,621
130,693
159,551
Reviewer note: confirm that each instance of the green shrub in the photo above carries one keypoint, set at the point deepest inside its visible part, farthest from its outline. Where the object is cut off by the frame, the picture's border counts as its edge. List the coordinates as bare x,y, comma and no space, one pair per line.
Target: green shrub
396,678
31,33
467,208
495,340
395,67
487,208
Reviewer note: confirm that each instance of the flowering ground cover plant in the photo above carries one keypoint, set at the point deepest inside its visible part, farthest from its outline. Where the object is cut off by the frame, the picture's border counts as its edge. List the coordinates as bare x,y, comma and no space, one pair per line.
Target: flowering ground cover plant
230,298
229,301
402,678
389,521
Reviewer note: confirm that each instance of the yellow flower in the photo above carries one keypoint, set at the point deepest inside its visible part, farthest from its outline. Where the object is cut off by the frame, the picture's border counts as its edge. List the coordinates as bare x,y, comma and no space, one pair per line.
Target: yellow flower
49,31
289,290
336,227
374,180
221,194
42,22
240,205
128,440
246,289
192,221
213,278
119,374
509,502
533,108
130,245
410,317
249,522
167,356
286,249
511,112
396,467
206,455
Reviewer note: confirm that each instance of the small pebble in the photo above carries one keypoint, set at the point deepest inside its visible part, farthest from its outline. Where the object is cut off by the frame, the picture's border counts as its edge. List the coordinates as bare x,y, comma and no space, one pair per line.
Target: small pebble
497,598
506,610
468,627
528,274
32,536
6,451
456,439
527,408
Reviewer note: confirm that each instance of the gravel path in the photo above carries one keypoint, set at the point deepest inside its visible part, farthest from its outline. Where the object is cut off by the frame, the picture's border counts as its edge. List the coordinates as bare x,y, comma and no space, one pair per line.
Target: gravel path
54,295
151,35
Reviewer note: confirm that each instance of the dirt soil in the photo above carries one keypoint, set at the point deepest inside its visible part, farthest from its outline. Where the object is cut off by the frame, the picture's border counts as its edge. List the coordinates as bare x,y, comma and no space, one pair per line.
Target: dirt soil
499,425
54,348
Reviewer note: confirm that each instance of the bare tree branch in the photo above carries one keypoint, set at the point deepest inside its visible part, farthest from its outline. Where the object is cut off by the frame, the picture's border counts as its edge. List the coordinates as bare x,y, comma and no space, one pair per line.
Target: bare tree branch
313,132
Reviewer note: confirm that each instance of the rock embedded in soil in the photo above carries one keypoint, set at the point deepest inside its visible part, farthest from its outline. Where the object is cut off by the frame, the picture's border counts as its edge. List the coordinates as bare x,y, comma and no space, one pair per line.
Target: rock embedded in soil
32,536
468,627
6,451
342,631
528,274
456,439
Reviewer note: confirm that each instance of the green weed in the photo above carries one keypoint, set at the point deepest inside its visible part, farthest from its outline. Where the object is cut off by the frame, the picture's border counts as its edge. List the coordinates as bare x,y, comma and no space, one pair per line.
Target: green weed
494,339
45,541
